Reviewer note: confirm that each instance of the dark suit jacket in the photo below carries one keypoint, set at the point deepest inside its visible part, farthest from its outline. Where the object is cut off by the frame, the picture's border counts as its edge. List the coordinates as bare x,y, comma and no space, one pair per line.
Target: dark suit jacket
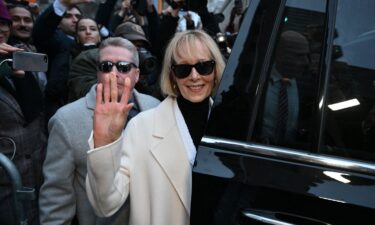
56,44
47,37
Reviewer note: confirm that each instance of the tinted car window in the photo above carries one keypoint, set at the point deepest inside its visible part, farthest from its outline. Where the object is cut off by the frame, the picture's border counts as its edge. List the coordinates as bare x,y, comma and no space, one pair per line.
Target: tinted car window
350,115
251,100
236,95
247,107
286,113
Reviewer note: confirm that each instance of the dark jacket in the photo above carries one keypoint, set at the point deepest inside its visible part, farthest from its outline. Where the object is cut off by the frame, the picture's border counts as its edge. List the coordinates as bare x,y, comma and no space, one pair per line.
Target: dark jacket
23,139
56,44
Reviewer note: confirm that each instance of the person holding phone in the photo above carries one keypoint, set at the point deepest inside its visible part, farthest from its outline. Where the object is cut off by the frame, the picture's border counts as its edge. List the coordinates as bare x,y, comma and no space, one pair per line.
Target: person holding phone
22,135
150,162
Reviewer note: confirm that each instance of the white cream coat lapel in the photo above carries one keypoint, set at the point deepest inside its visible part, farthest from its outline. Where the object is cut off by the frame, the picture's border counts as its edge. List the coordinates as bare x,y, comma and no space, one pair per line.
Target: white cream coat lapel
170,151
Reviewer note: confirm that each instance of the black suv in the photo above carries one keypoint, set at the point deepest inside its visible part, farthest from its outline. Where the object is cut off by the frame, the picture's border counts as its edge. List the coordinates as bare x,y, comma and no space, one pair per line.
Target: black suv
291,135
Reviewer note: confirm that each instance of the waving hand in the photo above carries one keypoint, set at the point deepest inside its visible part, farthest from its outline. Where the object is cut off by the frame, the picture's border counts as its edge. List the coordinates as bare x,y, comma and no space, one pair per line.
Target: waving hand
110,113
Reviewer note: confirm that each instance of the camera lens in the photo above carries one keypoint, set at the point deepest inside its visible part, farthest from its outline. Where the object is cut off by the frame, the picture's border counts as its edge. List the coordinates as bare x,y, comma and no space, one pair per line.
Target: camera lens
147,62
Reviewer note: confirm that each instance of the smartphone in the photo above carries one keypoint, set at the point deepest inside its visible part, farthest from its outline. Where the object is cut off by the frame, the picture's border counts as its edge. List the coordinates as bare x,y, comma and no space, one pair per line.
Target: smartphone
30,61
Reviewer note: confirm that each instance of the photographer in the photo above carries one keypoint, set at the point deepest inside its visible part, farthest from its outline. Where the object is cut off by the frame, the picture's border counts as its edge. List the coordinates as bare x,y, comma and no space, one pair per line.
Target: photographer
22,133
170,19
148,63
141,12
128,14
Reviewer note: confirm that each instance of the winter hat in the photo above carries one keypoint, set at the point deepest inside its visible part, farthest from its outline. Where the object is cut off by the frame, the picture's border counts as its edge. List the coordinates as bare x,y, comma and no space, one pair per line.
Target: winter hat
4,13
132,32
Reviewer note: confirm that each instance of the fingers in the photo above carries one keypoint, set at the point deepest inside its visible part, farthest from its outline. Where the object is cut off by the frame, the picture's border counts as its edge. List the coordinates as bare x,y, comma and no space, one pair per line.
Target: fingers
109,88
99,94
106,88
18,73
113,80
6,49
126,91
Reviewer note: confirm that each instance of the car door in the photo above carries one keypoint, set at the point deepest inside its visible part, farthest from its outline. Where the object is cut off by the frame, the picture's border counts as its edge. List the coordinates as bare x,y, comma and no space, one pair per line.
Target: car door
316,164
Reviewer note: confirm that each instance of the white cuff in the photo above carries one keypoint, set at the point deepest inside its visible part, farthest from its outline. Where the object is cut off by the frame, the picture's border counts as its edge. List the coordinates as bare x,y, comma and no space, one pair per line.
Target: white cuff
59,8
104,32
91,143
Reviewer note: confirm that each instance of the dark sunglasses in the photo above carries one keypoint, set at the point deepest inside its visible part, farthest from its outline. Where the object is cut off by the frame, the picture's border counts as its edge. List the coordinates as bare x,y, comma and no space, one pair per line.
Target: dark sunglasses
184,70
122,66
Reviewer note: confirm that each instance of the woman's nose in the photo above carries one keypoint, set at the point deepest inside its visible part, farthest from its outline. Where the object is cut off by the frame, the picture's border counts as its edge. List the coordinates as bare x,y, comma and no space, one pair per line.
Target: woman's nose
194,74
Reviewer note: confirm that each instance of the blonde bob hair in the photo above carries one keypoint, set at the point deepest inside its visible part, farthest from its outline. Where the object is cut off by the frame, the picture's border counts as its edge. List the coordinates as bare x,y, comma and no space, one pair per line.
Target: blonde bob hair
184,44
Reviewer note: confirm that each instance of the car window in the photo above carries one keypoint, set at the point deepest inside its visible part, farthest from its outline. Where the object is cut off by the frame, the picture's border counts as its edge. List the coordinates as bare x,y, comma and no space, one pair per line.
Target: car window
350,114
246,105
286,113
233,110
298,83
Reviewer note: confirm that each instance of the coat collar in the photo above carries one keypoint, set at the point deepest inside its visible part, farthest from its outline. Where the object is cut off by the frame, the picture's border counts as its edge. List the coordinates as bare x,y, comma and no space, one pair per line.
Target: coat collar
91,98
170,151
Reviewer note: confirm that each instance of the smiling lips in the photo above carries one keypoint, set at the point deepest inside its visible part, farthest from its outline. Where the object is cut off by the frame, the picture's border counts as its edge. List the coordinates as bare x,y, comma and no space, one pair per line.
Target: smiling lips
196,87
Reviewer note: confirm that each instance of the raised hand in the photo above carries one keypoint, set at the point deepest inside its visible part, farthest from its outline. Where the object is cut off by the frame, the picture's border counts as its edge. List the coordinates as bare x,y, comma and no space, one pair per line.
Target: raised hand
110,113
6,49
125,8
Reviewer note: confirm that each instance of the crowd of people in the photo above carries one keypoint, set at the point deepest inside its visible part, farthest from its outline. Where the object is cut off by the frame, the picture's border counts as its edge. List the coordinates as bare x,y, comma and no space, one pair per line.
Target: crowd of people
64,129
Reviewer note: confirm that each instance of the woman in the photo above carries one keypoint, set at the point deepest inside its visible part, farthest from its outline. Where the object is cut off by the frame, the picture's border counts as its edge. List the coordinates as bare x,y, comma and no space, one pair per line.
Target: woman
87,40
87,36
151,162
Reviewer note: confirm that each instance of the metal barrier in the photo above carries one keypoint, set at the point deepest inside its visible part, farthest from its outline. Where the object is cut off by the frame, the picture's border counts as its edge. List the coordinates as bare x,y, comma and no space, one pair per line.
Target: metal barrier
19,192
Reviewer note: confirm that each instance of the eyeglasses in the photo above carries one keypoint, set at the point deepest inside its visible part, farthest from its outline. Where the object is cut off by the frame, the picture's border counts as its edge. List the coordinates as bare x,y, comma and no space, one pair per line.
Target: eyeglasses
122,66
203,68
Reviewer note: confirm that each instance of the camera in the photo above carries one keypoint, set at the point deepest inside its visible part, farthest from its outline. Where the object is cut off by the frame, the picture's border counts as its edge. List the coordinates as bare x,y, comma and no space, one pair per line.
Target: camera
147,62
225,41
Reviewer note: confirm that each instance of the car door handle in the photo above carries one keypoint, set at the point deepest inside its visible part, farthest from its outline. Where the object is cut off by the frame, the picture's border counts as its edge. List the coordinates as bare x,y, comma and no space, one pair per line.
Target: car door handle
255,216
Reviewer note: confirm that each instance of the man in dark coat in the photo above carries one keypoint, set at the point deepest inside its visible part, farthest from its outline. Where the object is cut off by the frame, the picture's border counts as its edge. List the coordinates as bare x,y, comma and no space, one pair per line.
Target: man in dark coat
22,136
53,34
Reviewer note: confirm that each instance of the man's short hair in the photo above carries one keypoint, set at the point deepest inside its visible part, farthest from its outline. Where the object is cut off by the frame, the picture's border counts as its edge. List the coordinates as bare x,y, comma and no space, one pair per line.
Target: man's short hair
12,6
122,43
73,7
